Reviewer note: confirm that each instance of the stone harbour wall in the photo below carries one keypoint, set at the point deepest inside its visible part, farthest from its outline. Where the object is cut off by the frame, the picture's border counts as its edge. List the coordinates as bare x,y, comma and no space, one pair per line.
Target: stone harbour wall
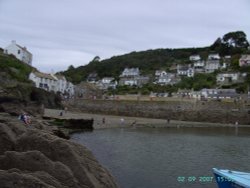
200,111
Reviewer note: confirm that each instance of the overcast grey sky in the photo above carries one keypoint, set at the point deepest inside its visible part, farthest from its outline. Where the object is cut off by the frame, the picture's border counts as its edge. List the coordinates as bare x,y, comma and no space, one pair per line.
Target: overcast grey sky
62,32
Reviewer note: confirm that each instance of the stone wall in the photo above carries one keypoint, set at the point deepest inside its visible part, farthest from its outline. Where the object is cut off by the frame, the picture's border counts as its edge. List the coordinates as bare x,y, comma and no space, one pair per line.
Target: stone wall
201,111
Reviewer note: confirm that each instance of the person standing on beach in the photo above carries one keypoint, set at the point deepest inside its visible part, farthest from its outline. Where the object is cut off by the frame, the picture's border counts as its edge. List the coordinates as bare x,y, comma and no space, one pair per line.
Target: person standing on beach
122,121
65,109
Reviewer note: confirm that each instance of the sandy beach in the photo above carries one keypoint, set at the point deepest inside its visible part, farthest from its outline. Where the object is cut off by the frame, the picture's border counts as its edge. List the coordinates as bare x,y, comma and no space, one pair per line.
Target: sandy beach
102,121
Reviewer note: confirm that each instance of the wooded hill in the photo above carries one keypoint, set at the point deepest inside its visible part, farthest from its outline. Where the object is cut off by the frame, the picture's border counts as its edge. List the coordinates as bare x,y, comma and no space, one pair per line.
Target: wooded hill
233,43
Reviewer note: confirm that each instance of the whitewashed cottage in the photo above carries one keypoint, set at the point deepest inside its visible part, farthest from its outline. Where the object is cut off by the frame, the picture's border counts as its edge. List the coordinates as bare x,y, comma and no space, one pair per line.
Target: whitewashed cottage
51,82
19,52
185,70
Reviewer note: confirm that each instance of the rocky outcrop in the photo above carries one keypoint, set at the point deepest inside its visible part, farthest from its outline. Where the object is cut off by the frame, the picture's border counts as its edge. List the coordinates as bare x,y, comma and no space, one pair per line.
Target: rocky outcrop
32,156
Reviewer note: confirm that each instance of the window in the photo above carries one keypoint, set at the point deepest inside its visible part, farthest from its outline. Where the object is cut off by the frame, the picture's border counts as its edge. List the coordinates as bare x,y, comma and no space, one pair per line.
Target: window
19,51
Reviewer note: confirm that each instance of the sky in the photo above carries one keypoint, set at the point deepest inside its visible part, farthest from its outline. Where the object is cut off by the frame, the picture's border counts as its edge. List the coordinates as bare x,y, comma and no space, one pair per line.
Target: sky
60,33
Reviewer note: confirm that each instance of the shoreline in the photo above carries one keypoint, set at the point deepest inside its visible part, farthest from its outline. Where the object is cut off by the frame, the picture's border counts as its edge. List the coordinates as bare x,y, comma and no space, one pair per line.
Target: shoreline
102,121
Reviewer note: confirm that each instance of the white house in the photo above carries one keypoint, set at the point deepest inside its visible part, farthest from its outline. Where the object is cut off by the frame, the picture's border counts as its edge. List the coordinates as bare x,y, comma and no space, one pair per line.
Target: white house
134,80
230,78
199,66
50,82
44,81
213,57
166,79
61,83
219,93
130,72
195,58
160,73
185,70
70,89
227,77
244,60
19,52
212,65
107,82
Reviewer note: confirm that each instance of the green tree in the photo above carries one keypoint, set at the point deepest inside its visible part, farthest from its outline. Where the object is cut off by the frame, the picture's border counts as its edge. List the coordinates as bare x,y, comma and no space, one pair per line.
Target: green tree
236,39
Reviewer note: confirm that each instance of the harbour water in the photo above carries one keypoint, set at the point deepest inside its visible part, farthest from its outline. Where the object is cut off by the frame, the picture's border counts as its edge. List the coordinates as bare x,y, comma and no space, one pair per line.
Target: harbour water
168,157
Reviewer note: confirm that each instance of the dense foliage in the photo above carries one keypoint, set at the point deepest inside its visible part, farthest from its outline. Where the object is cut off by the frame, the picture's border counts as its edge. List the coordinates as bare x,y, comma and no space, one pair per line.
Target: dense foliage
13,68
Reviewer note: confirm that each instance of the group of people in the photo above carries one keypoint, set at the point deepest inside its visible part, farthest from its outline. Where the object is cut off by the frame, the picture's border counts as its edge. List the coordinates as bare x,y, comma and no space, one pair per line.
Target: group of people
25,118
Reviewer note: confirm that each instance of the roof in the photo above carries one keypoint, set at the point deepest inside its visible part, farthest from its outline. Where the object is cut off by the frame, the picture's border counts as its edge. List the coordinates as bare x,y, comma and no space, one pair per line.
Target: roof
183,67
219,90
213,56
108,78
60,77
131,70
43,75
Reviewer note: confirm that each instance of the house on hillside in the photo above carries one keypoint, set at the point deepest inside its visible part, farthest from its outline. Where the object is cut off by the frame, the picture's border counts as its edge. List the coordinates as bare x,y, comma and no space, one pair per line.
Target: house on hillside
212,65
19,52
199,66
185,70
184,93
213,56
61,83
55,83
107,82
226,62
229,78
92,78
130,72
244,60
195,58
44,81
167,79
219,93
159,73
134,80
131,77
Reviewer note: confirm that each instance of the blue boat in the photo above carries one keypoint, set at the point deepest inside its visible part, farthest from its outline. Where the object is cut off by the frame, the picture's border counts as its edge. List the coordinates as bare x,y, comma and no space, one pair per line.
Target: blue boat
231,179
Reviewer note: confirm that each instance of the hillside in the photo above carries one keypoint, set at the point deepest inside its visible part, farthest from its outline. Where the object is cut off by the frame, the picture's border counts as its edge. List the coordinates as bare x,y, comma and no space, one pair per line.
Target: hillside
17,92
233,43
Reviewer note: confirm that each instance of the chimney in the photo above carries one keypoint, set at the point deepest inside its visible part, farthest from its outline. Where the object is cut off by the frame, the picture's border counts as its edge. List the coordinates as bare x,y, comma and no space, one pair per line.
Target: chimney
13,42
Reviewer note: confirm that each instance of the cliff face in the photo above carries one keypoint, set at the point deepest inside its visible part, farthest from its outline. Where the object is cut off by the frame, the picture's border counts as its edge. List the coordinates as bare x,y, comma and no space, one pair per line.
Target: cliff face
32,156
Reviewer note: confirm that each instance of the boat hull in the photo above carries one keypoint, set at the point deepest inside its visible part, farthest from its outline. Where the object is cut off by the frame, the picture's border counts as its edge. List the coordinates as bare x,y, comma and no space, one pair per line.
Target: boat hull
231,179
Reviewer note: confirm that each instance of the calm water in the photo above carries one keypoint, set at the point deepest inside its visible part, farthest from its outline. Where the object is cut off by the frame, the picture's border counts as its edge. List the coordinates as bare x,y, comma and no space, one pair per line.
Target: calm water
162,158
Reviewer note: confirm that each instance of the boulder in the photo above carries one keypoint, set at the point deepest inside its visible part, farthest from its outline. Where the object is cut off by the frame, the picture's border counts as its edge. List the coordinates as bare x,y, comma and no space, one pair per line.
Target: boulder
10,179
79,159
33,161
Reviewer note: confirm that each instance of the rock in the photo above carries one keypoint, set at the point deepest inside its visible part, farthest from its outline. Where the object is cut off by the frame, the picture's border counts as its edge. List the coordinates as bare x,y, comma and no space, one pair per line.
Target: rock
33,156
7,138
33,161
80,160
9,179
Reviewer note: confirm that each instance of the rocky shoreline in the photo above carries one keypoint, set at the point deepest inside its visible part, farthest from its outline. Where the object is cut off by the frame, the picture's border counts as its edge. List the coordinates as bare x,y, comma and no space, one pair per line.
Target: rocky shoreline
33,156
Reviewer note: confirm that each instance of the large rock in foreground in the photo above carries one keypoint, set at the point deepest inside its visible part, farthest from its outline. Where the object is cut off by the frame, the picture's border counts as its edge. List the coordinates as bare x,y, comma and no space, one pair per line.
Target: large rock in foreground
34,157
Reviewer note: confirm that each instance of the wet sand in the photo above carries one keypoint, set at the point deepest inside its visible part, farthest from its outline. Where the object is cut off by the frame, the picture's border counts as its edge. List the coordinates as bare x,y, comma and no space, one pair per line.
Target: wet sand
108,121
